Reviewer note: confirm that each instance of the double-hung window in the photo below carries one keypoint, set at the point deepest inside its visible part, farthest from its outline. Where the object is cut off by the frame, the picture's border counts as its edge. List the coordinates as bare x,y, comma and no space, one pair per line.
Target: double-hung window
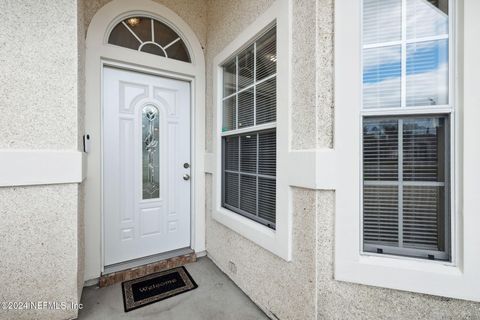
407,120
249,130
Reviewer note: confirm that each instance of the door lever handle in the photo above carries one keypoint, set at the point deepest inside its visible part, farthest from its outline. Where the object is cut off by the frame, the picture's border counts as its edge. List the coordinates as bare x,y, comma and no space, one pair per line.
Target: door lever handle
186,177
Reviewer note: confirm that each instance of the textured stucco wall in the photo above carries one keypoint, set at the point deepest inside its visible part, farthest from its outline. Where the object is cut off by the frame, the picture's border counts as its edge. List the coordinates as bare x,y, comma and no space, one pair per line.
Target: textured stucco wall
312,75
42,229
340,300
272,283
40,239
284,290
39,248
39,78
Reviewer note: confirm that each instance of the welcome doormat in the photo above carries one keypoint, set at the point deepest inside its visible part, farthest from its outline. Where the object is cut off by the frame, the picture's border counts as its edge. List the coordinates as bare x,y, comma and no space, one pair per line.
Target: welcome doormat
143,291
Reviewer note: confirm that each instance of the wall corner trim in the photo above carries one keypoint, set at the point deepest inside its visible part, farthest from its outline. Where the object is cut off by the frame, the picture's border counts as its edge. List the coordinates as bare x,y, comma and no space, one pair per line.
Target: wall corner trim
209,166
312,169
40,167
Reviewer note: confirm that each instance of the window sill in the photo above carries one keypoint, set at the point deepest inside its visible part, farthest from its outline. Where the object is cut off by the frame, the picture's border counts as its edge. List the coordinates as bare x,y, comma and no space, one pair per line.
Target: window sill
254,231
421,276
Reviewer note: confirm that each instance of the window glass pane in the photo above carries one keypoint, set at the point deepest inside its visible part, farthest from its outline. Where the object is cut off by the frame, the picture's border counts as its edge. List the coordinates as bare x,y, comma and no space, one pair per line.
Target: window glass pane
266,199
150,36
424,217
382,77
245,108
267,153
426,18
245,68
380,215
406,159
231,153
248,194
229,114
266,101
153,49
248,153
230,78
120,36
150,158
424,142
163,33
252,176
427,73
267,54
382,21
380,150
231,189
178,51
141,26
405,208
250,99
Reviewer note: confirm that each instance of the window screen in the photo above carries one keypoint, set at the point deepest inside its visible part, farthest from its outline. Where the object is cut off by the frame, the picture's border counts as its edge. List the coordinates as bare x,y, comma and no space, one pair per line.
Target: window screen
249,130
406,128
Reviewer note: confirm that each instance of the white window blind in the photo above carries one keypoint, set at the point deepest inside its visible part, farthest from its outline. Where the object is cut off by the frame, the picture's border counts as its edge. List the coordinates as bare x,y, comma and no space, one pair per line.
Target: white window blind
249,131
406,153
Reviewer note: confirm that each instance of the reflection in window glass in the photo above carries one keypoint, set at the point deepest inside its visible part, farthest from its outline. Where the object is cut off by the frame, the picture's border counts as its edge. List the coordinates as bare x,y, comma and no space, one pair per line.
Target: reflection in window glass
381,77
382,21
245,68
150,153
229,114
427,73
230,78
266,60
266,102
427,18
392,53
246,102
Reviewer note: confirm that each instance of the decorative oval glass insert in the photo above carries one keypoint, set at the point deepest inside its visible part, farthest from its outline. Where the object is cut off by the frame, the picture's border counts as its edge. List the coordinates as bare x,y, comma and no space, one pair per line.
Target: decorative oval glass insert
151,36
150,153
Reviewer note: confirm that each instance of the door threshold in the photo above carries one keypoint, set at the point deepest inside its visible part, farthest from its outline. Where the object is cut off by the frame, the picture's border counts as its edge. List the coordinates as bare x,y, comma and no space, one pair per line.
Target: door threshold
145,260
144,266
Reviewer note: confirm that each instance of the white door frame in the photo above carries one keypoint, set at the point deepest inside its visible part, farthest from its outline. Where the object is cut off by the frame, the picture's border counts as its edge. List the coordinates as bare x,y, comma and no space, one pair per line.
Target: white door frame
99,54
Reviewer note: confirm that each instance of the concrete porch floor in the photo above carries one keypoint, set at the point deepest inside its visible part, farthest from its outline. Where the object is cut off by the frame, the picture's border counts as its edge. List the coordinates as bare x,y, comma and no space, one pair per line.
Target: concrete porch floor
216,297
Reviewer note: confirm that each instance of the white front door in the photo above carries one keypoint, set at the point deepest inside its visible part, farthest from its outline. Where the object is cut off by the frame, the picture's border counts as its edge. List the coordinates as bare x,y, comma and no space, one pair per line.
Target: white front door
146,165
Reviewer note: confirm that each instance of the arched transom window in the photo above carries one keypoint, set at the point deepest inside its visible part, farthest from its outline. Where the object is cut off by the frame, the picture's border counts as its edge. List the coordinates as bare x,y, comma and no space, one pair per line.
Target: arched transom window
151,36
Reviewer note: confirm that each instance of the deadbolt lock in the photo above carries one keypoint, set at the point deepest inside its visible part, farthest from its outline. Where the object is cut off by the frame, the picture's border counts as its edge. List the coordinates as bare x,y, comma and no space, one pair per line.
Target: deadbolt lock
186,165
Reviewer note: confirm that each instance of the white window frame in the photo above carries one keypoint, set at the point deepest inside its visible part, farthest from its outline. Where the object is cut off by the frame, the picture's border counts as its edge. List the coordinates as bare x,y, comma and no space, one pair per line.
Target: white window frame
456,279
255,129
278,241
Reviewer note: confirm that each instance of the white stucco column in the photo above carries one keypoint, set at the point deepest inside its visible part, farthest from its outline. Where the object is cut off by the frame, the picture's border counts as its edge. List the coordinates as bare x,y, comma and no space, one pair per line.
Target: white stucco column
40,198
